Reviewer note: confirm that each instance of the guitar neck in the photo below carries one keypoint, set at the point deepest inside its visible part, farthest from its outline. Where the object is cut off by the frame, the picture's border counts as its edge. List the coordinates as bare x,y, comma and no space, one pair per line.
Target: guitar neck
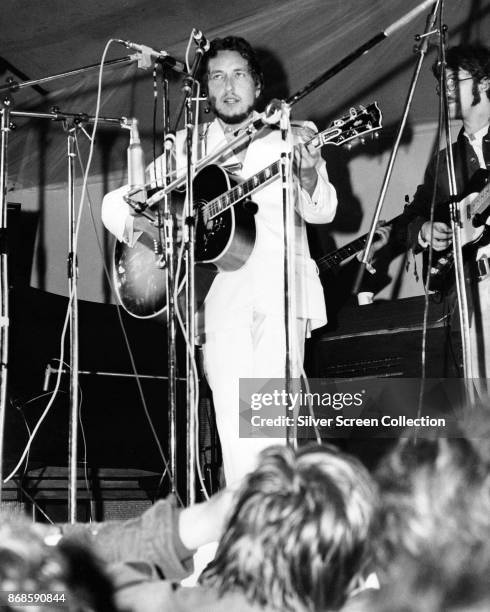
331,261
249,186
481,201
356,124
243,190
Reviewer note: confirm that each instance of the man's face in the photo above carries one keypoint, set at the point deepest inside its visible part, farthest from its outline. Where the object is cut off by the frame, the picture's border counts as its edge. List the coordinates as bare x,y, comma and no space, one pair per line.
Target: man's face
460,93
232,91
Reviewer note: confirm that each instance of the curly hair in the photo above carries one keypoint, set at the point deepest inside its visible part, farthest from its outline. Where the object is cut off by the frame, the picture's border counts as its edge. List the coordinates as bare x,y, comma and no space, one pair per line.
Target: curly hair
297,537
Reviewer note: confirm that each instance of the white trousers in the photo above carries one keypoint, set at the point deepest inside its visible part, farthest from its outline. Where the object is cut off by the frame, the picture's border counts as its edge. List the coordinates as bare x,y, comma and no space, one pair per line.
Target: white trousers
255,351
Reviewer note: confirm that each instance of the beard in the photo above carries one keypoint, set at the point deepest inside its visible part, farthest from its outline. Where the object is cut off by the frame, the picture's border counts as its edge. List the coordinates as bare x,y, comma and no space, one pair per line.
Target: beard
230,119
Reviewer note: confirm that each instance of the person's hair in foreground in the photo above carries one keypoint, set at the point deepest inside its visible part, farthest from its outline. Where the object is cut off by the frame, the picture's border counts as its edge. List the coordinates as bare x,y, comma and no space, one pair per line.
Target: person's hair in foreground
431,536
29,564
297,536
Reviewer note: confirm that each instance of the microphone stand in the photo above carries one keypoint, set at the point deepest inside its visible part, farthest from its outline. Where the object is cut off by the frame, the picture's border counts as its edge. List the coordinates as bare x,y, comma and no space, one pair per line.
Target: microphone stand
167,239
455,215
288,212
14,86
190,240
74,329
4,285
76,119
422,51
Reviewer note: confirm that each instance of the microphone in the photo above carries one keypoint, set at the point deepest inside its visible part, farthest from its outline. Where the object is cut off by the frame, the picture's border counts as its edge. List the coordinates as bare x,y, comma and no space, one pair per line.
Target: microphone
200,40
162,56
136,166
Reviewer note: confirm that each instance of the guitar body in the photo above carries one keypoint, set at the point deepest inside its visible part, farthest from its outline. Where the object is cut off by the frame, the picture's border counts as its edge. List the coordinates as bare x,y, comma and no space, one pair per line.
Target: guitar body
223,244
228,239
475,210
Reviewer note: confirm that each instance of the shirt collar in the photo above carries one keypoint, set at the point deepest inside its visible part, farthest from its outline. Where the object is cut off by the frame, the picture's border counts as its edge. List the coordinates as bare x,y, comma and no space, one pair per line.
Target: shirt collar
478,136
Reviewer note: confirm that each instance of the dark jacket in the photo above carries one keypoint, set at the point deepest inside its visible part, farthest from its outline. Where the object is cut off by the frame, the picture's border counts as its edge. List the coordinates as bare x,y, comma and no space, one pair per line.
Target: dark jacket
465,165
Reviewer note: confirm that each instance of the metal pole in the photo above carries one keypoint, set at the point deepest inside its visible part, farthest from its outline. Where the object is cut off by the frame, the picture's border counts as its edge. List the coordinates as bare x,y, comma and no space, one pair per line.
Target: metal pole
190,323
73,307
4,285
169,253
456,232
422,51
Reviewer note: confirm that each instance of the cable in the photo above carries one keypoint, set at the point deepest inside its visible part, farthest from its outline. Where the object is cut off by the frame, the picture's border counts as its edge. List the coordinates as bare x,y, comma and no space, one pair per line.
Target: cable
71,297
51,401
187,51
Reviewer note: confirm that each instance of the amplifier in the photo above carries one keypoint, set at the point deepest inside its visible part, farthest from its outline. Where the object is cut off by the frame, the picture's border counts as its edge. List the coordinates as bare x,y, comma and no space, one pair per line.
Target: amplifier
385,339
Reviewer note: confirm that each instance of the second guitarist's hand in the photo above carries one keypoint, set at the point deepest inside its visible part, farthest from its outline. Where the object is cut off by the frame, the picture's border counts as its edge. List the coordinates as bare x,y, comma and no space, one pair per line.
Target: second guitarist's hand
441,235
381,237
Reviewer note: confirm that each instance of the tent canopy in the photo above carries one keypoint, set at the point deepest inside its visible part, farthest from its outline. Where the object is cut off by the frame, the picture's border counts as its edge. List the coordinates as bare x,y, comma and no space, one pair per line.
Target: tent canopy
297,39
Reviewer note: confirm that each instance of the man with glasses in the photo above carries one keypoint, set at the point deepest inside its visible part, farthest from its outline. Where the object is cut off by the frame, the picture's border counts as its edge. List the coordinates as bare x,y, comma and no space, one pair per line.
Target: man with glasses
244,310
468,90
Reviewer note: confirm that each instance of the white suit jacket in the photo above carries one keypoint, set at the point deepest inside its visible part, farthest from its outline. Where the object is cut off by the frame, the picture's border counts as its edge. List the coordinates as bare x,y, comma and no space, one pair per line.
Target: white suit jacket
258,285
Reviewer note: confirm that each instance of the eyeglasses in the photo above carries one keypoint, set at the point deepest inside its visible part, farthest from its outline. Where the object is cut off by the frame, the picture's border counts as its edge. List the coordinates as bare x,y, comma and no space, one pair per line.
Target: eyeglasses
452,83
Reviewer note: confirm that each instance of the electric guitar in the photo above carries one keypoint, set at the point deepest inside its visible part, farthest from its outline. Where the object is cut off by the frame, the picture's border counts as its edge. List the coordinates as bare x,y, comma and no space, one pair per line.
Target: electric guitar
332,260
474,211
225,225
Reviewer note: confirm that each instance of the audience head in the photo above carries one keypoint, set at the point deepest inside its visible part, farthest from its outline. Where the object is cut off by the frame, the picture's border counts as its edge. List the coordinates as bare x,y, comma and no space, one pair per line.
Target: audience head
431,534
29,564
297,536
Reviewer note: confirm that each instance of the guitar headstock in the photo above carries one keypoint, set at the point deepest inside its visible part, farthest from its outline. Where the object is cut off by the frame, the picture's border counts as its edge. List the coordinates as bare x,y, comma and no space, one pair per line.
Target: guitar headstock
360,121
